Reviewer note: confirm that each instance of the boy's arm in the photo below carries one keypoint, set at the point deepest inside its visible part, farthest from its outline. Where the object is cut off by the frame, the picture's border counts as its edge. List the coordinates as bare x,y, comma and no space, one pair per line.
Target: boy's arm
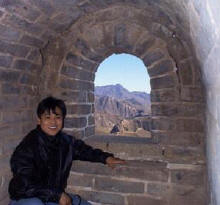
85,152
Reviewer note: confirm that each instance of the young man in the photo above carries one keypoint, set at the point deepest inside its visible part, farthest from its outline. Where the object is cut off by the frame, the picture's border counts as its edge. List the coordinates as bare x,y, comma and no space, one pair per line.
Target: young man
41,163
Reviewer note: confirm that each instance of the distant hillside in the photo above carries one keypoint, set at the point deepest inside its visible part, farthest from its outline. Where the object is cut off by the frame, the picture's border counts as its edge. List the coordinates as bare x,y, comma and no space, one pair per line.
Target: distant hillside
114,104
115,99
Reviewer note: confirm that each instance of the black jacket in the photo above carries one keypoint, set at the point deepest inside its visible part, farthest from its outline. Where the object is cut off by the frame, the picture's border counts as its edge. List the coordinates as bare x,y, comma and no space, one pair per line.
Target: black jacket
41,164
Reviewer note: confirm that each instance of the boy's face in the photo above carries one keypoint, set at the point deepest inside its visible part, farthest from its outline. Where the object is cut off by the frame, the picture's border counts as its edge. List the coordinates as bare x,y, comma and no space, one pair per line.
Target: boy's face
51,123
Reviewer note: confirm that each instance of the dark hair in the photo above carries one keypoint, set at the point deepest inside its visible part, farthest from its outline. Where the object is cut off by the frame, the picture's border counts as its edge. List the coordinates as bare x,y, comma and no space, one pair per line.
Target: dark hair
50,103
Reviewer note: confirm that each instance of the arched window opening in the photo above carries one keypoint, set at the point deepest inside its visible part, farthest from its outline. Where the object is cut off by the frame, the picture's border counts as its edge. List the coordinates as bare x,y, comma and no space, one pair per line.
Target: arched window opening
122,97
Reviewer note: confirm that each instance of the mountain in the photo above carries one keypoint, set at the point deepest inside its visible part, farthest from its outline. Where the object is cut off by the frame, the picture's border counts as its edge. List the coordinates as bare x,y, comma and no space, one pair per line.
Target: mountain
115,99
114,104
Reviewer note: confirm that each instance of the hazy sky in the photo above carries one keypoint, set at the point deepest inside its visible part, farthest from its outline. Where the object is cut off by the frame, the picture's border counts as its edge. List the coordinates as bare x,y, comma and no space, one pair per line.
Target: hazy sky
125,69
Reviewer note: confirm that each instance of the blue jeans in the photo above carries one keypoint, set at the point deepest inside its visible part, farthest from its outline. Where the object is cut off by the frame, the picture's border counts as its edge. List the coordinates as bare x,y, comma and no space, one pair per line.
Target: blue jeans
37,201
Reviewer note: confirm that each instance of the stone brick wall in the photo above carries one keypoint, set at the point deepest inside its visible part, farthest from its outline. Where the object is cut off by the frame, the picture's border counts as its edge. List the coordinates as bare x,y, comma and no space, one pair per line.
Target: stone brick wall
54,47
205,34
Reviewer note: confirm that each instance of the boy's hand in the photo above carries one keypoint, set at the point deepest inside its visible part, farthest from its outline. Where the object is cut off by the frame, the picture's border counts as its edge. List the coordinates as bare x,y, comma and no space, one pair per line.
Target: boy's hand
65,199
113,162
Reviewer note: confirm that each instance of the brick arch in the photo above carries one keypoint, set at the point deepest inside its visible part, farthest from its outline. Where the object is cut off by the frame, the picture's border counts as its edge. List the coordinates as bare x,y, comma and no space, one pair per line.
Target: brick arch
168,65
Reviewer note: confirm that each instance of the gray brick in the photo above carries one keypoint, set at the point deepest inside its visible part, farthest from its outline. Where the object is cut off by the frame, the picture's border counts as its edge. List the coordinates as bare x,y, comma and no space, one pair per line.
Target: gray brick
18,7
147,172
163,95
27,66
190,125
80,180
161,68
113,185
79,134
1,14
79,109
157,189
91,120
152,57
28,79
78,122
24,25
164,109
74,96
143,200
9,33
163,82
5,61
34,55
9,76
143,46
10,89
4,187
188,177
44,6
76,85
100,197
13,49
163,124
90,131
13,102
32,41
77,74
79,61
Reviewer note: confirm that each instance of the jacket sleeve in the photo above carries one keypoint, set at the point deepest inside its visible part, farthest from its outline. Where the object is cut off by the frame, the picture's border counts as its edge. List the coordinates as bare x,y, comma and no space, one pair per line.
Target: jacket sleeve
25,183
84,152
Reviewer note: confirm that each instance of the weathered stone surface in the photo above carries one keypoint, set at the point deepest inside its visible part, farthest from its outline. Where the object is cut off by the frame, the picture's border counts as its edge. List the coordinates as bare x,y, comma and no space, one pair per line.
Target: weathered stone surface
163,124
79,61
158,189
113,185
178,138
5,61
91,120
164,109
77,74
9,33
32,41
76,122
90,97
74,96
22,24
79,109
186,73
167,81
28,79
14,49
192,109
76,85
90,131
78,133
166,95
80,180
27,66
147,172
143,200
190,125
142,47
188,177
161,68
101,197
9,76
10,89
20,8
152,57
34,55
192,94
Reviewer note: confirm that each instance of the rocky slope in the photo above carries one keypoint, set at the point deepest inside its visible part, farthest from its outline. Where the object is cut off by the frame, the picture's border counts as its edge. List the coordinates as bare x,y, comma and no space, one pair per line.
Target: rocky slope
115,105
